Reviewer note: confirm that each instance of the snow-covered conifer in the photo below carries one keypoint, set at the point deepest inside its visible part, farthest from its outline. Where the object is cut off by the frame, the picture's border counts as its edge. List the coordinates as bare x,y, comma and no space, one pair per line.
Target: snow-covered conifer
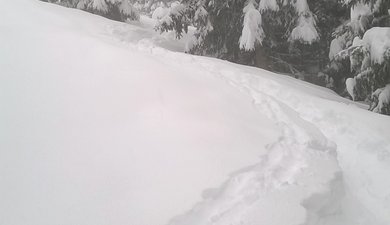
252,31
370,68
160,12
268,5
361,50
127,10
305,29
120,10
100,6
242,30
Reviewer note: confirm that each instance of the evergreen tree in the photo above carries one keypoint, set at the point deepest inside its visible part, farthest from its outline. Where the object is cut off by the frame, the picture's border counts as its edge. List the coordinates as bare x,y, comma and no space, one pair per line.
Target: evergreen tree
370,66
360,54
120,10
147,7
279,35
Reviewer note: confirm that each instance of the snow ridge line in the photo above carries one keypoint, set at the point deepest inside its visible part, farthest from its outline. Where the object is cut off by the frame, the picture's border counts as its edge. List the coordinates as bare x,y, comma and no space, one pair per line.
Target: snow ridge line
356,155
290,168
364,182
362,160
289,162
282,172
322,206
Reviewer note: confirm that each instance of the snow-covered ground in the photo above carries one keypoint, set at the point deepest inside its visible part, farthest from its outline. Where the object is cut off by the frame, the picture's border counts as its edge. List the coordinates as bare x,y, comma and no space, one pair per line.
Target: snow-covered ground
108,123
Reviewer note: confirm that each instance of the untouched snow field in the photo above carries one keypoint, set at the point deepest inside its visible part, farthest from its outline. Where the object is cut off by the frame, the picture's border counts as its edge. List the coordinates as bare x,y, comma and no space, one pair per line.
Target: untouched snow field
105,123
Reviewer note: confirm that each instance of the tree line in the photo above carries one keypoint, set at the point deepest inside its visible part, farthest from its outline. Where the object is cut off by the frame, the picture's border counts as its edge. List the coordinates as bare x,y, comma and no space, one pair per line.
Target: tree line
327,42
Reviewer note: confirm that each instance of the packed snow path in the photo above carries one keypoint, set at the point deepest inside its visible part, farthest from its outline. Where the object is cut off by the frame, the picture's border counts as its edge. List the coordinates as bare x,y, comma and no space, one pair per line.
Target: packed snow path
329,165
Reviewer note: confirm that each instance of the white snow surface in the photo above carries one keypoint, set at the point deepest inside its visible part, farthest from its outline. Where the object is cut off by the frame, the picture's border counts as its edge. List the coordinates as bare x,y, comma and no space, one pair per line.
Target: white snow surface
377,41
108,123
268,4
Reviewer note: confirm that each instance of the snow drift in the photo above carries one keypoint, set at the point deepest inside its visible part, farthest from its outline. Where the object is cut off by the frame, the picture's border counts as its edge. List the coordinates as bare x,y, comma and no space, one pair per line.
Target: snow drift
102,124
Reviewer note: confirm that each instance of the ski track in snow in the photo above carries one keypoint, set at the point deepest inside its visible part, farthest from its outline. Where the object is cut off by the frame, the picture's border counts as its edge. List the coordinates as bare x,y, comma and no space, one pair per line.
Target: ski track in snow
313,140
329,166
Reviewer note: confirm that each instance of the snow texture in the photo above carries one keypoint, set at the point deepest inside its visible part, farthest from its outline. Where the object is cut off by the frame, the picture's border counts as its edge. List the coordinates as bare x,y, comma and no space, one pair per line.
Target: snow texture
358,10
350,85
252,32
99,5
160,12
383,95
268,5
305,31
127,8
337,45
377,41
200,13
301,6
82,4
102,123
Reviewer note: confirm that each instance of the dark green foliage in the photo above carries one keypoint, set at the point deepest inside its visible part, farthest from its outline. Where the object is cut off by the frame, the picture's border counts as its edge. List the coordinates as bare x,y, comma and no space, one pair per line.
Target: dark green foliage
115,9
370,77
147,7
179,22
282,55
277,52
375,82
222,41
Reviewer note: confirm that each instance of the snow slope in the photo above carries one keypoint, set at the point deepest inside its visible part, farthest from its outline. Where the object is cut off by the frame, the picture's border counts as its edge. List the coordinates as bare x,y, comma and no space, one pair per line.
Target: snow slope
101,123
94,133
